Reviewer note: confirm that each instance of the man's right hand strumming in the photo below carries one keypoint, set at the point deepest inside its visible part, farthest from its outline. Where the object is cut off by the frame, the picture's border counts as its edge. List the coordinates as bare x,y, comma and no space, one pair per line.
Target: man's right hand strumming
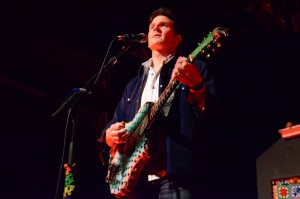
116,134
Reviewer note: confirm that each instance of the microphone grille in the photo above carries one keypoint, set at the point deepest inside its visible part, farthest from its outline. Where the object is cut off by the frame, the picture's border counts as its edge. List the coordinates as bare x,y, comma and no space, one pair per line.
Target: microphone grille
144,37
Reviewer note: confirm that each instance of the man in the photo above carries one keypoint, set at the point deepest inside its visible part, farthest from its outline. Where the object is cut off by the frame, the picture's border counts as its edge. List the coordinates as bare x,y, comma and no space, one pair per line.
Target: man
174,136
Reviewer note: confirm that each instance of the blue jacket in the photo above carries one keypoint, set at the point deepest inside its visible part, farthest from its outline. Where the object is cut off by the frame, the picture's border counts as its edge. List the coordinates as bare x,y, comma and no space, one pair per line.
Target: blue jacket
182,124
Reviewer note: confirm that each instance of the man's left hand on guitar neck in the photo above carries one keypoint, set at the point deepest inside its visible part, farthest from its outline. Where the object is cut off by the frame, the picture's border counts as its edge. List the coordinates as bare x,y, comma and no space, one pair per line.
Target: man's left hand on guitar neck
188,74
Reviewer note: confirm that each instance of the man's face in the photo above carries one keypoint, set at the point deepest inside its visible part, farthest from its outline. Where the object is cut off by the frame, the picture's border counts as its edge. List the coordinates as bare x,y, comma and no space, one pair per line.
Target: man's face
161,36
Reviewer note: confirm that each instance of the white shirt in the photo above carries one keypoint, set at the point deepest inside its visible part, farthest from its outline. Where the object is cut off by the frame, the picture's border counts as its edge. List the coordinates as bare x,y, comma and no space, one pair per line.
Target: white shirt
150,92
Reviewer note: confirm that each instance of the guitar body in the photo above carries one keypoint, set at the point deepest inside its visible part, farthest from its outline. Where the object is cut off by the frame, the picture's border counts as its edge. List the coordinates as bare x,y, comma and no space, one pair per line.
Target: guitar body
128,160
127,169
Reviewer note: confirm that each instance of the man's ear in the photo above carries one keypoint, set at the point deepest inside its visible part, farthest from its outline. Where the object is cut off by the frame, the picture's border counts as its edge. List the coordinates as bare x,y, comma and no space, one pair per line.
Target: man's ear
178,39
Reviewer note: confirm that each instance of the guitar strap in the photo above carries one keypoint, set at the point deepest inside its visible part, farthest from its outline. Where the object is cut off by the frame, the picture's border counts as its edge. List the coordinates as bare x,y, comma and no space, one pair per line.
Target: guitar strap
168,66
166,107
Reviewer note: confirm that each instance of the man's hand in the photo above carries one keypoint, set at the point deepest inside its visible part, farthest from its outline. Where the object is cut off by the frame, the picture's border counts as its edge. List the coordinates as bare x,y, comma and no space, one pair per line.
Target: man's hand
116,134
186,72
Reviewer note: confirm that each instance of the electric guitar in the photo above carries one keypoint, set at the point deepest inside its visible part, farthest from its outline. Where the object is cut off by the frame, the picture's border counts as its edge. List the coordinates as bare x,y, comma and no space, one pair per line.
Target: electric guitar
128,160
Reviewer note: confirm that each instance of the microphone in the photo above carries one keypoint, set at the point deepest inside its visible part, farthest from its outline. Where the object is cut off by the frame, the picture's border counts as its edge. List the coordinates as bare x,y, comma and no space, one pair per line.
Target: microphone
133,38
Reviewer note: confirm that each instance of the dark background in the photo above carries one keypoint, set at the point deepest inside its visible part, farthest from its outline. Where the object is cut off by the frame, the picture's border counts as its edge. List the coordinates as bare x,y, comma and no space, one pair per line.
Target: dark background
51,47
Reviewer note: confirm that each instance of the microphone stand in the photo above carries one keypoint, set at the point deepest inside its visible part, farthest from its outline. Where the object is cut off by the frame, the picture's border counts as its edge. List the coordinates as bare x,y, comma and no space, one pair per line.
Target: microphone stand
71,105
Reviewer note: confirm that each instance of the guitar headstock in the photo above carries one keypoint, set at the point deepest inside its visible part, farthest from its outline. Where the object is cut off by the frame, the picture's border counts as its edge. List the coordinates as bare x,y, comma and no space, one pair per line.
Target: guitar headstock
210,44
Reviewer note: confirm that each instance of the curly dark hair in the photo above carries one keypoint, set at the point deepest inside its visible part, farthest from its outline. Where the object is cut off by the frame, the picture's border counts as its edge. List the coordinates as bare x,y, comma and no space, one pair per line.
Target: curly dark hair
168,12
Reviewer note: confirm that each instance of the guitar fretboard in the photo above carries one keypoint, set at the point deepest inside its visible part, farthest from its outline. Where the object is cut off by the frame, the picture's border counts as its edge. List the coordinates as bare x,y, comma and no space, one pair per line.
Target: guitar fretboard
172,86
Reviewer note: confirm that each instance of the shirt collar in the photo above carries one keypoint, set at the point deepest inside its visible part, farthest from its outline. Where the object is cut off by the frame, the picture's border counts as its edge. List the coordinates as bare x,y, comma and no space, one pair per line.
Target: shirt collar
147,64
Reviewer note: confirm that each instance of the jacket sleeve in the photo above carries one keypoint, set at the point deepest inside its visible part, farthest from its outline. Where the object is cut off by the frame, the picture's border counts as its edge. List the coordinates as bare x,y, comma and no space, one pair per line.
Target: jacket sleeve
120,114
210,103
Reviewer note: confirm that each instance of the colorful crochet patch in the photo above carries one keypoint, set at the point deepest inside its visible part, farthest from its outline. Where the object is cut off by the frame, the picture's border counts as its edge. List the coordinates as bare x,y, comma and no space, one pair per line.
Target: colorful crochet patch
286,188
